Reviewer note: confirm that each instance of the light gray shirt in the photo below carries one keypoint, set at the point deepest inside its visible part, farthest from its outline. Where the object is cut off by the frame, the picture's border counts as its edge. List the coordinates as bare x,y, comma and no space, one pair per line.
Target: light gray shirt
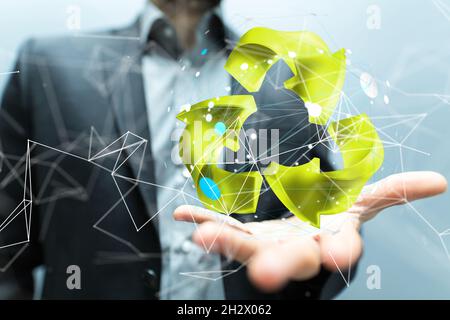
172,83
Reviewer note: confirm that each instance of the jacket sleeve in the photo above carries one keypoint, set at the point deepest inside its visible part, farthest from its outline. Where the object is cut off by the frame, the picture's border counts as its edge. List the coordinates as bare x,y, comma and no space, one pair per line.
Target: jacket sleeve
19,251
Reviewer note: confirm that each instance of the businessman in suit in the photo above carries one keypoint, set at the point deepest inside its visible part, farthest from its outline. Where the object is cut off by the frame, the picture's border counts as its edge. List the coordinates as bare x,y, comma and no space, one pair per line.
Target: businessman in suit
79,93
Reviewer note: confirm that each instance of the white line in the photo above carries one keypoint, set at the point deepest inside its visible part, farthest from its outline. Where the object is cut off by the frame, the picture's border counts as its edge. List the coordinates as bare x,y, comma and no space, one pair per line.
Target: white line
10,72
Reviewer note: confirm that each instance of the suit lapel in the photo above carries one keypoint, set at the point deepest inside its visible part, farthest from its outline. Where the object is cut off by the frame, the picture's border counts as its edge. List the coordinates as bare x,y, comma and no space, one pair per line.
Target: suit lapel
127,98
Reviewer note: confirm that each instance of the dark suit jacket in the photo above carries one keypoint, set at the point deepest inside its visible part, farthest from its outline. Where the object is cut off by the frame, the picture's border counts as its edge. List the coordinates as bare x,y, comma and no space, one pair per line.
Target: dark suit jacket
66,87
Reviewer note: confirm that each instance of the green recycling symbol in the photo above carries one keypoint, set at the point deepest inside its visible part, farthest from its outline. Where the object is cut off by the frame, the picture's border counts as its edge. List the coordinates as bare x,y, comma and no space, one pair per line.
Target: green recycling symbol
318,80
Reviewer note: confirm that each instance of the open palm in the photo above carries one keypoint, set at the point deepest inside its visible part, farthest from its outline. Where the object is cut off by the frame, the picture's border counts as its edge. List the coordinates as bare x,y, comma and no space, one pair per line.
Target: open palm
280,250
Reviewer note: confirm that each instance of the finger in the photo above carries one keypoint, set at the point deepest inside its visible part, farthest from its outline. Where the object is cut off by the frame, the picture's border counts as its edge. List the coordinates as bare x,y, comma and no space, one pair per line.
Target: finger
221,238
408,186
398,189
199,215
295,259
343,249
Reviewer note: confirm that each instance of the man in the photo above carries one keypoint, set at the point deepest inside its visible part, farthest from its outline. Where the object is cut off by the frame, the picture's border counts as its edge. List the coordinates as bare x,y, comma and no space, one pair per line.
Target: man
86,141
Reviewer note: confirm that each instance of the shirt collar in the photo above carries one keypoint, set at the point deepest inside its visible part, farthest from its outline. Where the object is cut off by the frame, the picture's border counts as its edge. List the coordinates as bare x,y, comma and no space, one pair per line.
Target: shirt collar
211,32
150,14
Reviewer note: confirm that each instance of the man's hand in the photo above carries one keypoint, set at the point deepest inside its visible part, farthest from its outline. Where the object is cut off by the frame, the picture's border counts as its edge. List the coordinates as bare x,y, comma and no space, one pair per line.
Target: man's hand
277,251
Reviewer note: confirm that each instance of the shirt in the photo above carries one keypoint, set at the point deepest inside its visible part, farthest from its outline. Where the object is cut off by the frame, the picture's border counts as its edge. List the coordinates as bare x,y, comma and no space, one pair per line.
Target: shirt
174,79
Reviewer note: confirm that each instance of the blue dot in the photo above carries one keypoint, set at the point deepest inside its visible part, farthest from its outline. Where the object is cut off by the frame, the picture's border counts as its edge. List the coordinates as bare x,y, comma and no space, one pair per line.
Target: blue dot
204,52
209,188
220,128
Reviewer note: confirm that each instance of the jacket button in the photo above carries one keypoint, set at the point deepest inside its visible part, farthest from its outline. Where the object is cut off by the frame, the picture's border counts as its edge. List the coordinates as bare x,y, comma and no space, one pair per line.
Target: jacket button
150,279
186,246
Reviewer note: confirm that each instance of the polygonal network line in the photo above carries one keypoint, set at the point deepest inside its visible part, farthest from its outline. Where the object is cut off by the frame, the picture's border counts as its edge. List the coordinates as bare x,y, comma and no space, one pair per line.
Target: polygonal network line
318,80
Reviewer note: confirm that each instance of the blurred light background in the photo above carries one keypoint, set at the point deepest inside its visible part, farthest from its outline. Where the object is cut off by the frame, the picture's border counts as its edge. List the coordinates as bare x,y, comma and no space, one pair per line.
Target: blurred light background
404,45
